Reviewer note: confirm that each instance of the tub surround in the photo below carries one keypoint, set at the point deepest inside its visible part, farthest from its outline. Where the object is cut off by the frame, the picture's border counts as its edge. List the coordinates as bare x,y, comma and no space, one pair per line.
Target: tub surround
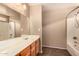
72,50
13,46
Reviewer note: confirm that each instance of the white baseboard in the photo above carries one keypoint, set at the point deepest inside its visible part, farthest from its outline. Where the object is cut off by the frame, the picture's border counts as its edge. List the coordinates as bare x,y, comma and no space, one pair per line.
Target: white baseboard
53,47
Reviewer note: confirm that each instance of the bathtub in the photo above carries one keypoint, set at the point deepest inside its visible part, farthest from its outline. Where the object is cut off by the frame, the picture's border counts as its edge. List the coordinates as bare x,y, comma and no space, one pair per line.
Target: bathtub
72,50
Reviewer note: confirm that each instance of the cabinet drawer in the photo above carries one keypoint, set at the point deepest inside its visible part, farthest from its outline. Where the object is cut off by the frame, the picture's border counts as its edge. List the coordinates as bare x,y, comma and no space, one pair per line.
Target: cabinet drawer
25,52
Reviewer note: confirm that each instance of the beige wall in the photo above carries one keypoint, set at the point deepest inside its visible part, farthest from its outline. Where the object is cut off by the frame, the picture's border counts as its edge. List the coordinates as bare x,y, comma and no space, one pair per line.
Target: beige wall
25,19
36,21
54,24
24,25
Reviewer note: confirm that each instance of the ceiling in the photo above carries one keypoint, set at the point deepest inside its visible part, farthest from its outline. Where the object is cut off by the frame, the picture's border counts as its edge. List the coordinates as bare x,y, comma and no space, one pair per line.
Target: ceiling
50,6
64,8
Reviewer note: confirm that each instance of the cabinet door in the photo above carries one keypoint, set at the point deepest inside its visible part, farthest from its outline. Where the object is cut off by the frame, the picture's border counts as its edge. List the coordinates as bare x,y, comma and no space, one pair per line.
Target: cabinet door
37,43
25,52
33,49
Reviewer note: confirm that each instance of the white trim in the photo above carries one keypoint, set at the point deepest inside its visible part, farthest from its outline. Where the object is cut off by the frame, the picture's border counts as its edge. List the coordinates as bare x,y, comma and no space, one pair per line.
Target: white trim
54,47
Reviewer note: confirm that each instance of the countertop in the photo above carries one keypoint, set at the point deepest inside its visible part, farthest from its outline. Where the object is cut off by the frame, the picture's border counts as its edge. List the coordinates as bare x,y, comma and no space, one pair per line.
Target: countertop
13,46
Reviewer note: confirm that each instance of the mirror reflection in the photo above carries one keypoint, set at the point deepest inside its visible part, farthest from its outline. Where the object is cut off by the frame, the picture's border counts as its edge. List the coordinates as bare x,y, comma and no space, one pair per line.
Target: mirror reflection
7,28
9,23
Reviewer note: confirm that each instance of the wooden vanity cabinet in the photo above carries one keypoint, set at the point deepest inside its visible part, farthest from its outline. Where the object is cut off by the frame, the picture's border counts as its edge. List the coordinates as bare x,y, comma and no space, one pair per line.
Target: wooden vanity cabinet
25,52
37,46
31,50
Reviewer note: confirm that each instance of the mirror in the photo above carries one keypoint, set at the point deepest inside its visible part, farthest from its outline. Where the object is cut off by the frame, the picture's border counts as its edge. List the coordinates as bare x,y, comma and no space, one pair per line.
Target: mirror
9,28
12,24
4,27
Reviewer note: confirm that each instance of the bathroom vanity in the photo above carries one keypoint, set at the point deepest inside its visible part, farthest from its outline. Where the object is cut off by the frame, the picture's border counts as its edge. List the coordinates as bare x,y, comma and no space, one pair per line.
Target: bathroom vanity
31,50
27,45
15,22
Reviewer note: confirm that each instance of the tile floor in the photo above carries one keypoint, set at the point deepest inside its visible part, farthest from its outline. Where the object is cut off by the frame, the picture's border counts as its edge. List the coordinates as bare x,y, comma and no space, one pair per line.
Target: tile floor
54,52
